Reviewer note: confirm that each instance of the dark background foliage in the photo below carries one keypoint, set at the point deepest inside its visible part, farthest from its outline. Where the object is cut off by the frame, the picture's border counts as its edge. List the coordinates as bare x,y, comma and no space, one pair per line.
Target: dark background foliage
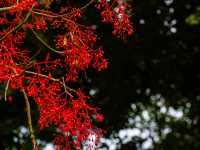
152,86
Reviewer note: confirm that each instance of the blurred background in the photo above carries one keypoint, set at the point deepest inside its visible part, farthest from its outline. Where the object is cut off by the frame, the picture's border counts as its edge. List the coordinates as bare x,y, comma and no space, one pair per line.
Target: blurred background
150,95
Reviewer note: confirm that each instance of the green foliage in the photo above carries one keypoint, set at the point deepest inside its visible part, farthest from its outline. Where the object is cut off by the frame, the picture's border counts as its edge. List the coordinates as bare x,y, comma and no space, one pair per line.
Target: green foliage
194,19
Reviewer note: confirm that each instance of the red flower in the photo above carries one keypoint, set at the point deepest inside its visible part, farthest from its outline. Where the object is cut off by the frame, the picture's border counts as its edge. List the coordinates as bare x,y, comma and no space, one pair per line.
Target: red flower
45,78
99,117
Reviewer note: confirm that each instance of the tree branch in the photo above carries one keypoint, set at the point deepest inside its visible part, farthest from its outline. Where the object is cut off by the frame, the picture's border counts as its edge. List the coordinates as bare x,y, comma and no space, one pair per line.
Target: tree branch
88,4
30,127
6,89
6,8
45,44
52,79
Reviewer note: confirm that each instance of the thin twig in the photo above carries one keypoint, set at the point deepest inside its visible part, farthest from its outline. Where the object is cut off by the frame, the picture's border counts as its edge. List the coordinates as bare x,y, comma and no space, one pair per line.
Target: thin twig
28,112
6,89
45,44
52,79
7,8
63,80
30,127
40,75
18,26
65,88
45,14
88,4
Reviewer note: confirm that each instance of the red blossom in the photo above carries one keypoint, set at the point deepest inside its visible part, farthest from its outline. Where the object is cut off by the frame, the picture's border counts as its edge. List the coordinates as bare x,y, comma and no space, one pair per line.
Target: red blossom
99,117
65,56
117,16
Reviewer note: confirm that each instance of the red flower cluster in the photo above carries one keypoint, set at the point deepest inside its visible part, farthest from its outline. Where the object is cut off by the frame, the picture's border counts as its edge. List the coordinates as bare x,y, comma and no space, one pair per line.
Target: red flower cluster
24,5
45,79
117,15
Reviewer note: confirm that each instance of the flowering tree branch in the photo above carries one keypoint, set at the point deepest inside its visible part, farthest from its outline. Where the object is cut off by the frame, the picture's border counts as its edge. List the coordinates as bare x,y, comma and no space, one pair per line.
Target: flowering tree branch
52,79
18,26
43,76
